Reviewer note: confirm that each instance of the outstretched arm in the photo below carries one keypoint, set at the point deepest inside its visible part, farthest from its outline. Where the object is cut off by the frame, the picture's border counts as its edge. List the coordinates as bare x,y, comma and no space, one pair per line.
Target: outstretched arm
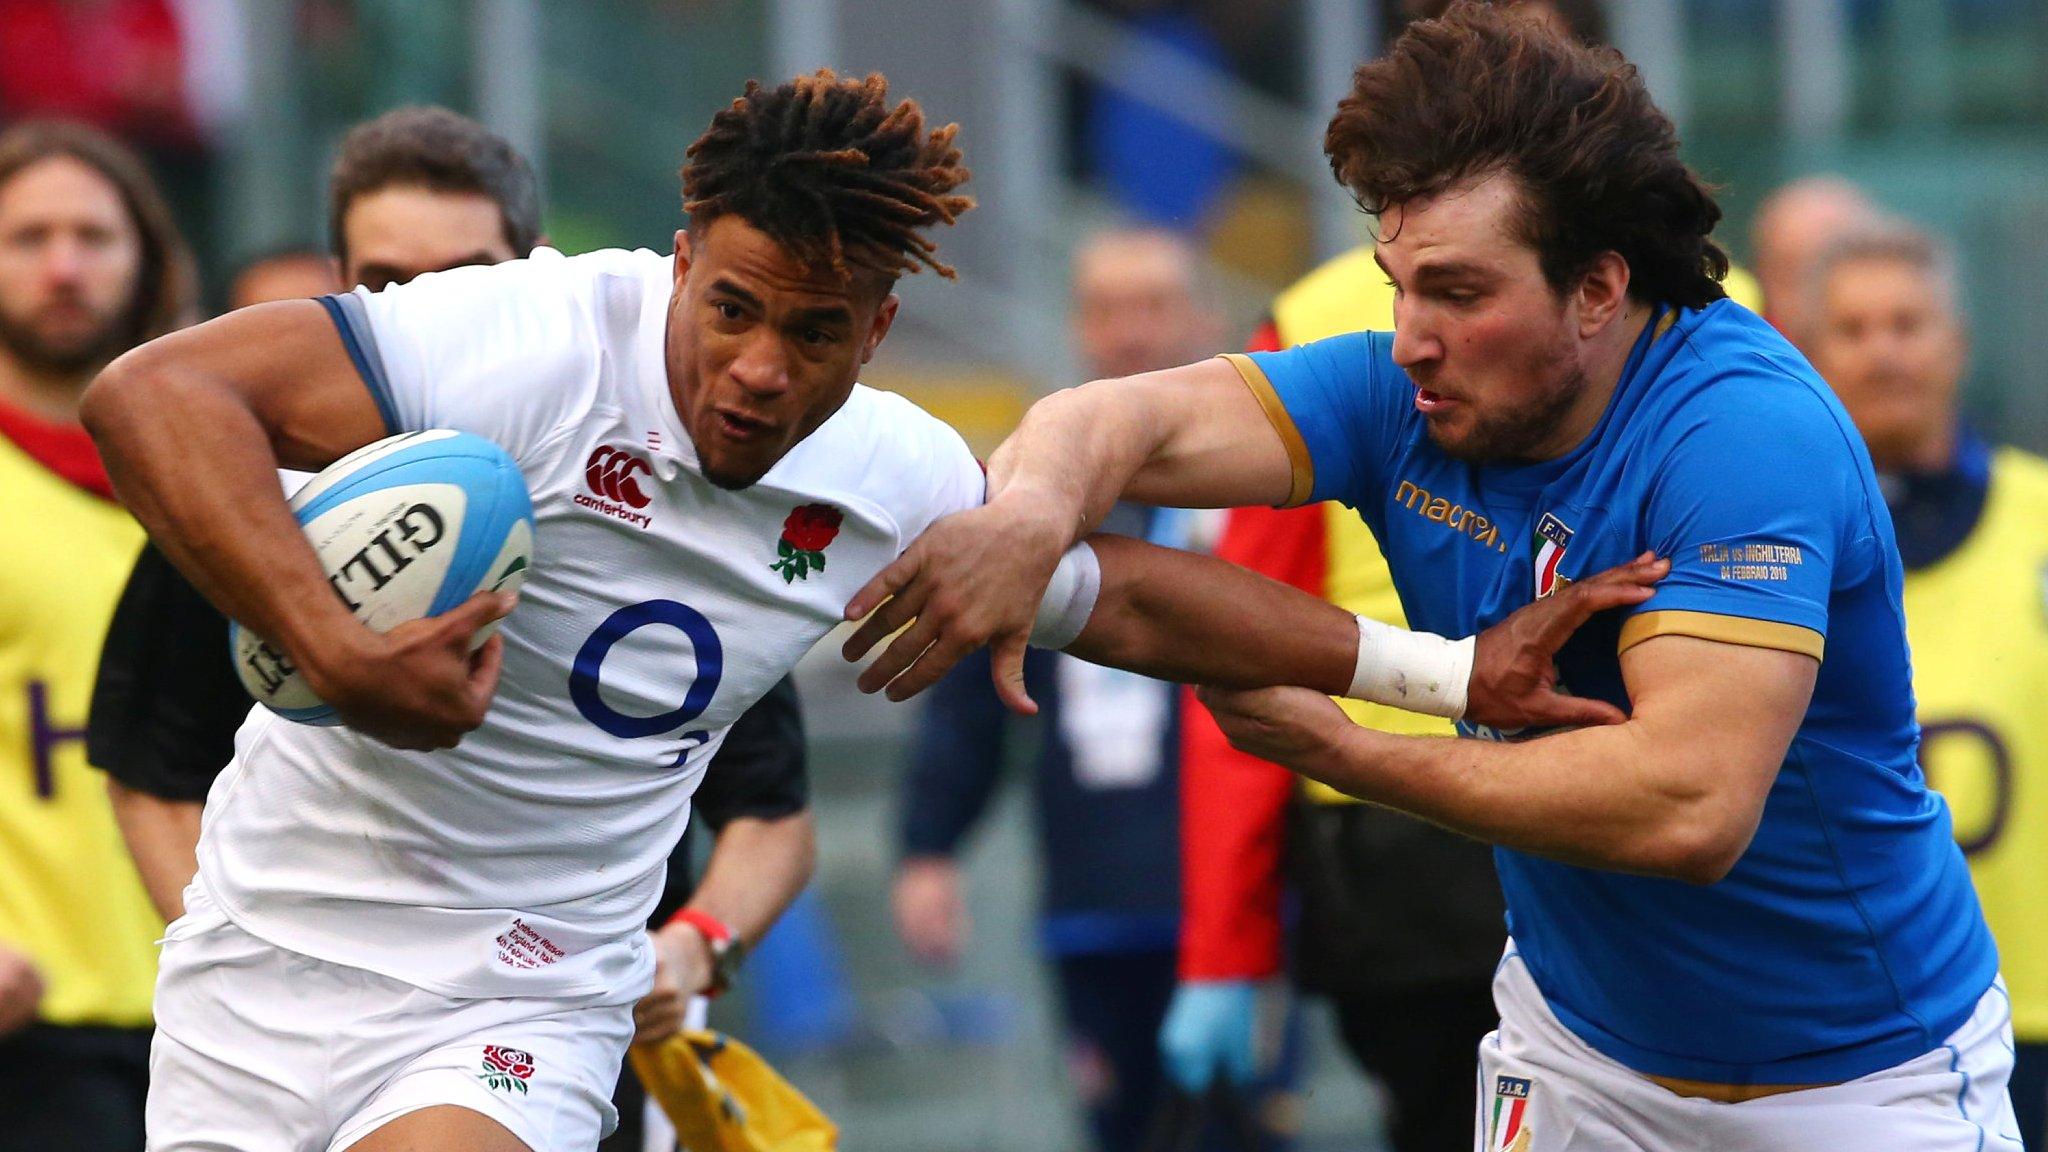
1200,620
1193,436
1187,437
1195,619
1676,791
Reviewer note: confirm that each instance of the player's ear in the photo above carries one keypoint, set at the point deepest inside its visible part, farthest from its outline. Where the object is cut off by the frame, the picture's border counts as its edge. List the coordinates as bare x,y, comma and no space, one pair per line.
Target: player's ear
884,316
1603,293
682,256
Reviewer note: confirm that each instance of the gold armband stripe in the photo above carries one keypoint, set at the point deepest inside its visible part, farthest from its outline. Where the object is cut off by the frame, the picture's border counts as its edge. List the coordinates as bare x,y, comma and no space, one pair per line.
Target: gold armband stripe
1725,629
1304,478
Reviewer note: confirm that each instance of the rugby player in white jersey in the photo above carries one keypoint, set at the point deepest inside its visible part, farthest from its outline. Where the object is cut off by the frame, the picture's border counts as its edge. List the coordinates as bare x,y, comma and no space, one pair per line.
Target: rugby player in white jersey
395,942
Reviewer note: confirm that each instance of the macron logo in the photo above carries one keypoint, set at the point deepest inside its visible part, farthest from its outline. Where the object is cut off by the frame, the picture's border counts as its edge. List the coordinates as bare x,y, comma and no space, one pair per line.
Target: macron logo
612,474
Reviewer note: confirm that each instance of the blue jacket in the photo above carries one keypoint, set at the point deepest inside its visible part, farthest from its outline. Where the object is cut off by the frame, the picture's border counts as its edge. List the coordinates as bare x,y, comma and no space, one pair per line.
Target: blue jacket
1106,783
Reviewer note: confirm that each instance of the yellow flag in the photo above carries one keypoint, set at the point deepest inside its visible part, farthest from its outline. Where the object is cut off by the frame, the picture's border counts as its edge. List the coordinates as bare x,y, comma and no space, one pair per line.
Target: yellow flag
723,1097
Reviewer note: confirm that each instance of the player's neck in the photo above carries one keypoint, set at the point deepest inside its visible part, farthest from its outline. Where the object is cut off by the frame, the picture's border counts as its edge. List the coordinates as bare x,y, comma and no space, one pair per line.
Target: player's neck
53,396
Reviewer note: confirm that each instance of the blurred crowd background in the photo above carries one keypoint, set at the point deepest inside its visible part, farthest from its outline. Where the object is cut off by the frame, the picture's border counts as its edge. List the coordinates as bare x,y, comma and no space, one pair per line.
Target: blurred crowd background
1199,117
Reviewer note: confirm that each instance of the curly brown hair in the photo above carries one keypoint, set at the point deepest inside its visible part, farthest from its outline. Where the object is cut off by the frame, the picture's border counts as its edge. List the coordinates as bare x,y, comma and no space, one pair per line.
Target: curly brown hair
1479,91
832,173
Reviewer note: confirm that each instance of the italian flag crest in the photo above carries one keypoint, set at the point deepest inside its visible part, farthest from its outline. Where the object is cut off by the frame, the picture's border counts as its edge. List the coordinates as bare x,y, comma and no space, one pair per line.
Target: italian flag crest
1509,1132
1551,539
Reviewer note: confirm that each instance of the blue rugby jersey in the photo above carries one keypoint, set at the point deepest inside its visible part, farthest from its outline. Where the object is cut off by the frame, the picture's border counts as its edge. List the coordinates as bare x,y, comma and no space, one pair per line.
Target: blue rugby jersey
1848,937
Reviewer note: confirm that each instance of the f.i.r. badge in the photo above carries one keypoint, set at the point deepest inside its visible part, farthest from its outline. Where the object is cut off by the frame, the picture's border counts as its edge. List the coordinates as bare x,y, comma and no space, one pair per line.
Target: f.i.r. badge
1509,1129
1552,537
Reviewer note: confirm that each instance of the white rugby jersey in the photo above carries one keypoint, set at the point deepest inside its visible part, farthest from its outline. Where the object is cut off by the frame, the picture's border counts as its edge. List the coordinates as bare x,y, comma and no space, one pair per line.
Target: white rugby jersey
659,607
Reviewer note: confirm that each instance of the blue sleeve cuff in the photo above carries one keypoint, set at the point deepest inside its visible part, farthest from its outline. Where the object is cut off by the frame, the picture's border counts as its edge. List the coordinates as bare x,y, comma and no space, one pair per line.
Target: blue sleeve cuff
352,321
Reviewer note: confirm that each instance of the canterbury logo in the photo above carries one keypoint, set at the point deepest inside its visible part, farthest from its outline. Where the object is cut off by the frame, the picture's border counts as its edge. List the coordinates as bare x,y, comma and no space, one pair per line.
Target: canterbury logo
611,473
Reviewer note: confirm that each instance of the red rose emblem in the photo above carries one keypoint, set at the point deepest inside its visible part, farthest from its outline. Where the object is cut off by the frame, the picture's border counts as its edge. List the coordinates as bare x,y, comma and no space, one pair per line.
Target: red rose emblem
511,1061
811,527
806,533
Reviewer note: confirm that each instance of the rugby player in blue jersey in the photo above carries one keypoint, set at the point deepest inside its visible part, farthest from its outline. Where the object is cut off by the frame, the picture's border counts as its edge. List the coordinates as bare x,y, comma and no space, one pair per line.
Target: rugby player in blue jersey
1738,920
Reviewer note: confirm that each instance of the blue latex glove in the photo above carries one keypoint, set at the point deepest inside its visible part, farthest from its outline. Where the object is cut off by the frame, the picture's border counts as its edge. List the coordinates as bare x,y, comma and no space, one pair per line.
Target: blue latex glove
1211,1033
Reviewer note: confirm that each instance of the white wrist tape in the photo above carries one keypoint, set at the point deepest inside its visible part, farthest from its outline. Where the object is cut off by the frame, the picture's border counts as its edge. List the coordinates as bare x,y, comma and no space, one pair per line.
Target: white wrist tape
1416,671
1069,600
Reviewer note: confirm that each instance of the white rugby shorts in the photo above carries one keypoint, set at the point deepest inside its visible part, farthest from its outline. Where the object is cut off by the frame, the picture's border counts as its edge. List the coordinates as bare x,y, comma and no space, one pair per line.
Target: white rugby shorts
259,1047
1542,1089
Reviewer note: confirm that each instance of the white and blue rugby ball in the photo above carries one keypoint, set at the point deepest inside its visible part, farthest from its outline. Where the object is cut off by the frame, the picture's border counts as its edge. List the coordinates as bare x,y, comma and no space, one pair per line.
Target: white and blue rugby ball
405,528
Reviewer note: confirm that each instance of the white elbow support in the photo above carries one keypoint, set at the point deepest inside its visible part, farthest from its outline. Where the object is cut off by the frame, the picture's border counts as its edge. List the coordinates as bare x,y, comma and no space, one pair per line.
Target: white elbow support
1416,671
1069,600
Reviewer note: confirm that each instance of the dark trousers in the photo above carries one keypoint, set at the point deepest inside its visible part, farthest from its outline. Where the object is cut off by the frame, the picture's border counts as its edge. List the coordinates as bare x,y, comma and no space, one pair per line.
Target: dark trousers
73,1089
1112,1005
2030,1092
1422,1045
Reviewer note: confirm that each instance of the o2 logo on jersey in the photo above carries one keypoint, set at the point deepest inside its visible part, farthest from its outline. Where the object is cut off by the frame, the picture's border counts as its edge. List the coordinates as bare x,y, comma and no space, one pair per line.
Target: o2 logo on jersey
583,675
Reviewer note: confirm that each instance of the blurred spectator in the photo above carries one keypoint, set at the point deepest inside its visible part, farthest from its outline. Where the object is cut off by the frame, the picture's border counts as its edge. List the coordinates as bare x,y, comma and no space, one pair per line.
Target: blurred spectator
1105,771
1793,225
415,191
423,190
90,266
169,77
1972,523
283,274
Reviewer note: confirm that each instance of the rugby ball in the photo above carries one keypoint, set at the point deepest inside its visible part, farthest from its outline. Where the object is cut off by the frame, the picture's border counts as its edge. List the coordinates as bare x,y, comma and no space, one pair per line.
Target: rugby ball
405,528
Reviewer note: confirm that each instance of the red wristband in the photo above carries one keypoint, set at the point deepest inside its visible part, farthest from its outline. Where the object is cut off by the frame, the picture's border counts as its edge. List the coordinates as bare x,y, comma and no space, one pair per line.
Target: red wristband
711,926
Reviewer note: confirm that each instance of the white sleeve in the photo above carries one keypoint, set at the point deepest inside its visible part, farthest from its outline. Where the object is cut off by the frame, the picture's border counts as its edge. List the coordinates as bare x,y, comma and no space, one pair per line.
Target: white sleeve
941,475
1069,599
504,351
960,482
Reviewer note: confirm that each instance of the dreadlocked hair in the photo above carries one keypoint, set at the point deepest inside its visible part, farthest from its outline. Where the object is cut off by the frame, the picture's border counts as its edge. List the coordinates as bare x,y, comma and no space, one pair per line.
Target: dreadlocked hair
831,173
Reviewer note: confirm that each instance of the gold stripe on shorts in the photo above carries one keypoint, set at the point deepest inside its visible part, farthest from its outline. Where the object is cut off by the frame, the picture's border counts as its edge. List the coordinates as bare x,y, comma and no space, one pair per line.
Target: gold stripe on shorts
1727,1093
